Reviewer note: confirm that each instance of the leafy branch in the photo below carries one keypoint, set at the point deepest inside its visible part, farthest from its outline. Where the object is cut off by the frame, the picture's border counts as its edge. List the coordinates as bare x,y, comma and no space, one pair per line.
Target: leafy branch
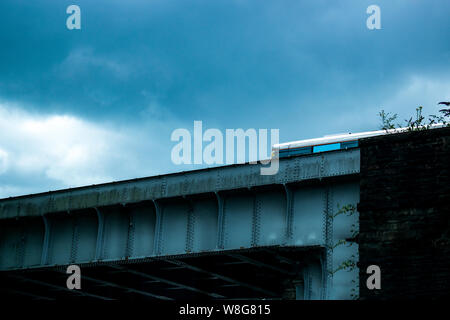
417,123
387,120
348,209
348,265
351,263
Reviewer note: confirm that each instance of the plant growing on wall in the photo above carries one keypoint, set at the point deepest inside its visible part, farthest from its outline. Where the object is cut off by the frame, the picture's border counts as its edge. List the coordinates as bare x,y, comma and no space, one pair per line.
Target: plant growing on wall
416,123
351,263
387,120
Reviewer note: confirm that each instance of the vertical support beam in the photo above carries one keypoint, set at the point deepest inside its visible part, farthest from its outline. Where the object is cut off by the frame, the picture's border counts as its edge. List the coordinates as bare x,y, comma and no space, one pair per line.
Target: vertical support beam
190,227
327,260
158,228
255,219
46,243
327,277
307,281
220,221
299,290
75,236
313,281
289,214
130,231
100,234
20,252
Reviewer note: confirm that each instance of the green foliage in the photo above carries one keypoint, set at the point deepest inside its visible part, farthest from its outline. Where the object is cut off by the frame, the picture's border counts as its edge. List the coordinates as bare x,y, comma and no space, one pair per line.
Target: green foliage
348,209
417,123
354,291
433,119
387,120
351,263
348,265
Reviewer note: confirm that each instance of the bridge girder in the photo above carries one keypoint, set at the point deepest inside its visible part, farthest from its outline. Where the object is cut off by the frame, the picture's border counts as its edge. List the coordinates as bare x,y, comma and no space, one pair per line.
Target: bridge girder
207,210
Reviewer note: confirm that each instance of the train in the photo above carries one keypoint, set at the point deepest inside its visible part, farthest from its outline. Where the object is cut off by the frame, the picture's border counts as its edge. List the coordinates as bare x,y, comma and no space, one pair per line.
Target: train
333,142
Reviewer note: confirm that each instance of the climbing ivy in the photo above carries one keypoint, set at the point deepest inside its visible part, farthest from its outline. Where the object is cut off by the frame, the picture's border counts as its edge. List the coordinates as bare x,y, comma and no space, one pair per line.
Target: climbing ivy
351,263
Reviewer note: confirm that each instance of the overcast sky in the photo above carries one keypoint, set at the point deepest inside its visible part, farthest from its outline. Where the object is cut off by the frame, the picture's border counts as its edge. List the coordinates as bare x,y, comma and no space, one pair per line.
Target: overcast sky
99,104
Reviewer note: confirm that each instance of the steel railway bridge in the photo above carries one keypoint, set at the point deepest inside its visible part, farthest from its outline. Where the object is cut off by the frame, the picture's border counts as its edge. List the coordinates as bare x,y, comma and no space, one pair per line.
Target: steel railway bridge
217,233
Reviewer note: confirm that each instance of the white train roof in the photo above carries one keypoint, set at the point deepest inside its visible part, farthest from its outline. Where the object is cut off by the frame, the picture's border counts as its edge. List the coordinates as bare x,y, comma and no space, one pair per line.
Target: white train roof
342,137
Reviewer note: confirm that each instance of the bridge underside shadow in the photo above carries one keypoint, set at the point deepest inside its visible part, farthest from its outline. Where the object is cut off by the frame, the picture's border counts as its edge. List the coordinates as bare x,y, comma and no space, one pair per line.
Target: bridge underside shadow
272,272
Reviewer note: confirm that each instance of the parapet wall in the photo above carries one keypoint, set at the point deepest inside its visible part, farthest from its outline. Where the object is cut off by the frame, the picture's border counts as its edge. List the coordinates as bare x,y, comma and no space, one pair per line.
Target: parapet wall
405,213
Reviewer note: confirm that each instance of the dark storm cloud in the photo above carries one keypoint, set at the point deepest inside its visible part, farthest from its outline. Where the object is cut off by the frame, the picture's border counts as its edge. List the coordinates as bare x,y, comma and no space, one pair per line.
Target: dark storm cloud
306,67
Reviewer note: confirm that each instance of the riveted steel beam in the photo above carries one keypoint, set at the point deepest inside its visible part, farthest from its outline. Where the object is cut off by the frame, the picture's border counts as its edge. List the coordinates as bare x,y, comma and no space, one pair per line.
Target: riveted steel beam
60,288
124,288
100,234
46,242
289,213
130,232
158,228
259,263
256,218
339,163
280,257
190,227
221,277
220,220
170,282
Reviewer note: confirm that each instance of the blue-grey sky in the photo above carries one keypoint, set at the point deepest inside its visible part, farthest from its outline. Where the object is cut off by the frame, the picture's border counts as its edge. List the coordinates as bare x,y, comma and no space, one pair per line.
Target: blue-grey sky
99,104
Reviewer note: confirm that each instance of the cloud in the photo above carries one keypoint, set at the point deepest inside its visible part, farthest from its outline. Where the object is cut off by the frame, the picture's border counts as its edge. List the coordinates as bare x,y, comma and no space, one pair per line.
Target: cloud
83,61
203,60
419,91
43,151
58,151
3,161
105,99
402,99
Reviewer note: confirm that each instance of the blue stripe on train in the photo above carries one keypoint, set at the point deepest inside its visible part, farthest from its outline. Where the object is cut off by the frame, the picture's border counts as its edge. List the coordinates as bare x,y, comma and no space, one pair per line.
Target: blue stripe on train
315,149
327,147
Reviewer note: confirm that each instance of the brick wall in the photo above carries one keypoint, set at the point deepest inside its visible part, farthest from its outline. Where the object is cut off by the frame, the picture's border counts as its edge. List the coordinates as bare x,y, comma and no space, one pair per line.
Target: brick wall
404,214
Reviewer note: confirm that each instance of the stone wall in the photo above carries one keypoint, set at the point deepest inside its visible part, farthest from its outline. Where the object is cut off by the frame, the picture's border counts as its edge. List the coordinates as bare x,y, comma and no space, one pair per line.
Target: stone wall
404,214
